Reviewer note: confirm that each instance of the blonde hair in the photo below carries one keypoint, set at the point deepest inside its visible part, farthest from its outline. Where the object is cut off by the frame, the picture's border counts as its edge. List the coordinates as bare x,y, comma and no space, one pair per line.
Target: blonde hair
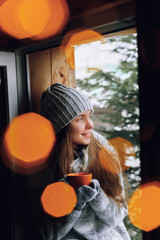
63,157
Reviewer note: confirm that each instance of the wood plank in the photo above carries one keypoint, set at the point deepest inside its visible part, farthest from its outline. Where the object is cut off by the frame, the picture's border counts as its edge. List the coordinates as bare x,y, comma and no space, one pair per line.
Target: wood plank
40,76
61,71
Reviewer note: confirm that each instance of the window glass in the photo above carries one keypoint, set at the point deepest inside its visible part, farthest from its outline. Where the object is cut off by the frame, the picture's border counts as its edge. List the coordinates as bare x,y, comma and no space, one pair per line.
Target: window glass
106,70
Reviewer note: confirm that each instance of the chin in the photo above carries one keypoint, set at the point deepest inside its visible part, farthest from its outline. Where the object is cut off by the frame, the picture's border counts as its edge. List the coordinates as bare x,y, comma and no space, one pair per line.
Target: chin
85,143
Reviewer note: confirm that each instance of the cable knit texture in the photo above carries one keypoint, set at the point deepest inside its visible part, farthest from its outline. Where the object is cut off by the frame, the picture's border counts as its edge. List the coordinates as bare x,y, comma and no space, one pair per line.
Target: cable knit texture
95,217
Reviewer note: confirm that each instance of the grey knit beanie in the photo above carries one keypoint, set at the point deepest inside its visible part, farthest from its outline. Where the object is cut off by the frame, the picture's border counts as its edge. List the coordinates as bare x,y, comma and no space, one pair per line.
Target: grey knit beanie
61,104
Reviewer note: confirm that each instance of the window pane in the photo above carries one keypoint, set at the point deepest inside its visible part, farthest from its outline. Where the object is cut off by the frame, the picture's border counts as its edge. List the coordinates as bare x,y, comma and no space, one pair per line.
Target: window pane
107,71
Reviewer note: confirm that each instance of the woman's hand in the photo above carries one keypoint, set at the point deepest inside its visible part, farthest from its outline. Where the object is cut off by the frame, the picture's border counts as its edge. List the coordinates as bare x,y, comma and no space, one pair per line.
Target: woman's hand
87,193
64,179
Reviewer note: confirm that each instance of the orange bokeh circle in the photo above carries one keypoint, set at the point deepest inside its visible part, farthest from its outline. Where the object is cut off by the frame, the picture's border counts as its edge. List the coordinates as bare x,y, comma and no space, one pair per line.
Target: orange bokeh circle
58,199
59,16
29,140
78,37
36,19
124,149
144,207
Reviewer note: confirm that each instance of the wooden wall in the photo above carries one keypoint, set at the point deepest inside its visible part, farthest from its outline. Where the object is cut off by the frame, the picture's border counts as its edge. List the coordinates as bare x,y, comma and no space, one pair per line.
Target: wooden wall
45,68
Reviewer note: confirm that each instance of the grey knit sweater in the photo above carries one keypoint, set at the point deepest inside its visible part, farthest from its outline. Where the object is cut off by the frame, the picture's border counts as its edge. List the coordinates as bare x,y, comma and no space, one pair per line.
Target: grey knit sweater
99,219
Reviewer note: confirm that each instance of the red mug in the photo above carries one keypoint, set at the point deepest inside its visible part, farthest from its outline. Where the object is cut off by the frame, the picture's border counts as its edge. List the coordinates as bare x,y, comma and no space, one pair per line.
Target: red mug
77,180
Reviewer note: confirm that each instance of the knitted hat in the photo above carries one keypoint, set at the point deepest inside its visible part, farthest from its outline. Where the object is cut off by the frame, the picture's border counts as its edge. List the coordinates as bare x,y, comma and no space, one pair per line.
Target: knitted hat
61,104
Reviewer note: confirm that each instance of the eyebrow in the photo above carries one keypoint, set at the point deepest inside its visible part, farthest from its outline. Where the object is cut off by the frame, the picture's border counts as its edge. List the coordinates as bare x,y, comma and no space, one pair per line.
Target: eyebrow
83,115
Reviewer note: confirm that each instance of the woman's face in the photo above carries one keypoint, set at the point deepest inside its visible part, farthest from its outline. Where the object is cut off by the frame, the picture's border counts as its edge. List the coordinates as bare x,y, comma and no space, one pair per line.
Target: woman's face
80,129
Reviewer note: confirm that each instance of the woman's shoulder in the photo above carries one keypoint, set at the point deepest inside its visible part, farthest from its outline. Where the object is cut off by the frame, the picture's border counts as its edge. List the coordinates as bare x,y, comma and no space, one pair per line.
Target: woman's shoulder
100,137
102,140
97,135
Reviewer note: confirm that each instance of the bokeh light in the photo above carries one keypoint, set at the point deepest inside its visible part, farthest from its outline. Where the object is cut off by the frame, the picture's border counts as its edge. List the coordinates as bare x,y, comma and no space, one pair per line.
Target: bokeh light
58,199
2,1
57,21
124,149
144,207
33,21
36,19
108,161
29,140
78,37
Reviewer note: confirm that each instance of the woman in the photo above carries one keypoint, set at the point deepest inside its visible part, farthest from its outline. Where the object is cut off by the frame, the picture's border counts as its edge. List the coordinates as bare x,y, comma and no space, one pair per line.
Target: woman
100,207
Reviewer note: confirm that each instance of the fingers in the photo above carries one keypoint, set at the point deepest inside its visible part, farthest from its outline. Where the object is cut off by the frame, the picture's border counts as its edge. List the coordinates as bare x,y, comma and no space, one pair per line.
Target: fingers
64,179
94,184
86,194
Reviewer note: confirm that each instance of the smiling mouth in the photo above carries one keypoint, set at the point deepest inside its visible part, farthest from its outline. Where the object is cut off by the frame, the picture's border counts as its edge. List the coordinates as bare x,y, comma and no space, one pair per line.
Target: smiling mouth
86,134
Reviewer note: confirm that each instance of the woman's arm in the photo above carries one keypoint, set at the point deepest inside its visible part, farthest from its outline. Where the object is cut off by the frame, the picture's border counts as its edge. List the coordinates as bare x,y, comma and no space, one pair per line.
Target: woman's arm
107,209
60,227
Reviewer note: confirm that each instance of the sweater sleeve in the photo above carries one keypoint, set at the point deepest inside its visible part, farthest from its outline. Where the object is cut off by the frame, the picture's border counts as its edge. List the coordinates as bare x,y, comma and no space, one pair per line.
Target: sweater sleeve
60,227
107,209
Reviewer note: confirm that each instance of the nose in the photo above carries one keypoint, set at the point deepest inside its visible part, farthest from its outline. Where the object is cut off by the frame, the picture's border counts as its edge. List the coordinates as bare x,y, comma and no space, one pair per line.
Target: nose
89,123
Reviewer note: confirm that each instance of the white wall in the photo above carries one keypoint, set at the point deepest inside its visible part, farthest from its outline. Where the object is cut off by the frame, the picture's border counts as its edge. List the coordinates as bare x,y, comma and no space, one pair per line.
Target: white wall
8,59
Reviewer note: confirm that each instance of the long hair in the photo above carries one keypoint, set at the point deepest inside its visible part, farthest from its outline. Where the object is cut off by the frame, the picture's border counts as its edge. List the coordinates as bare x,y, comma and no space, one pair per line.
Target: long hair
109,180
63,157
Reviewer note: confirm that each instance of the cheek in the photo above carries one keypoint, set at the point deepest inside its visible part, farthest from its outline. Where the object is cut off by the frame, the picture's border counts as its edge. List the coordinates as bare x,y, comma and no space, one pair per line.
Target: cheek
75,131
